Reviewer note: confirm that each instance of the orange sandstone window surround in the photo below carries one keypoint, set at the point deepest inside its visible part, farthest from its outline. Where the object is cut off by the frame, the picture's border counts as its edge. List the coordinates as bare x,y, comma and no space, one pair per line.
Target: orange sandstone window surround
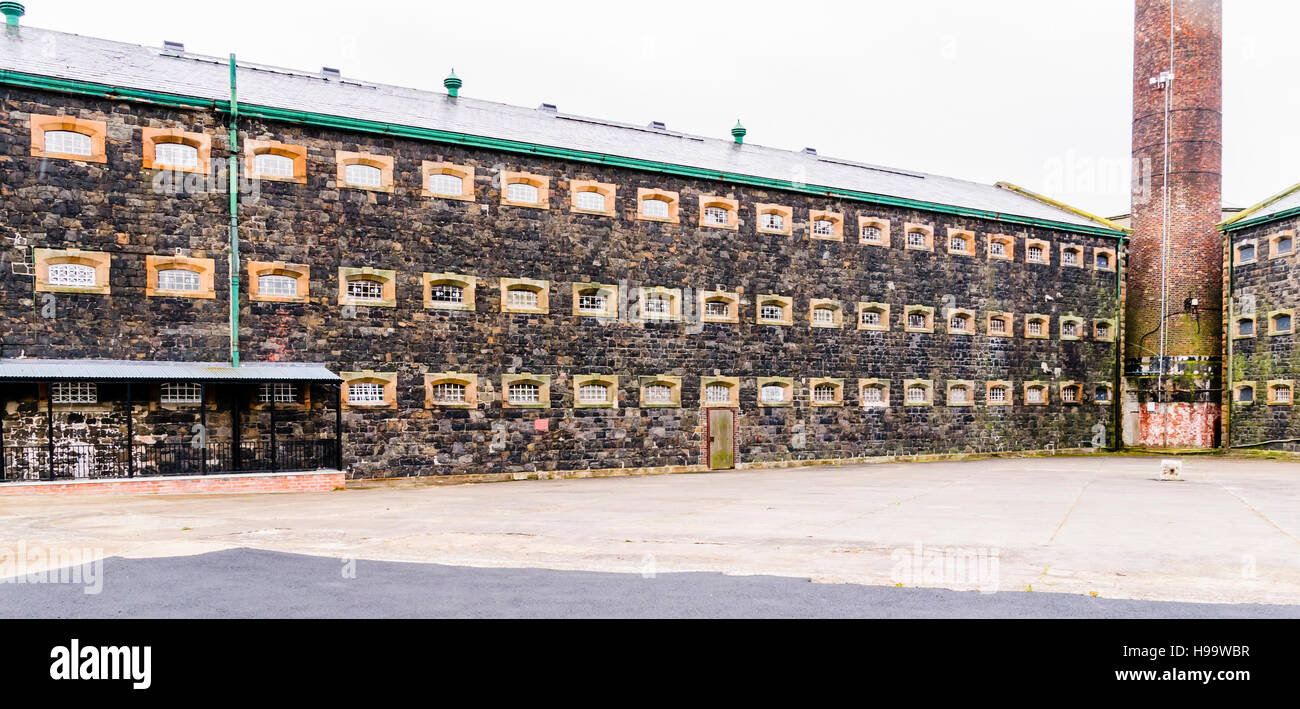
68,138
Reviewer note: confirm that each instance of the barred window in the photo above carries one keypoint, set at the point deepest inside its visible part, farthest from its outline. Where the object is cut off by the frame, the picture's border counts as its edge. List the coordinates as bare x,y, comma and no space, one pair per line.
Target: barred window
997,395
592,302
717,308
657,394
997,248
958,395
1282,393
277,285
871,232
716,215
917,321
181,393
998,326
524,393
365,393
1070,395
442,183
365,289
363,175
590,200
178,279
916,394
521,298
67,142
1034,254
594,393
72,274
1070,257
1035,327
278,392
175,155
1103,330
916,239
448,393
772,394
658,304
957,243
871,318
1034,395
523,192
1069,329
824,227
74,392
272,165
717,393
873,395
447,293
772,312
824,393
823,316
959,323
772,221
654,207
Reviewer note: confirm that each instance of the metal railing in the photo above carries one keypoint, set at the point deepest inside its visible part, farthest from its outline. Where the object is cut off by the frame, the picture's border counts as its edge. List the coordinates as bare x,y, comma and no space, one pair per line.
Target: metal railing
88,461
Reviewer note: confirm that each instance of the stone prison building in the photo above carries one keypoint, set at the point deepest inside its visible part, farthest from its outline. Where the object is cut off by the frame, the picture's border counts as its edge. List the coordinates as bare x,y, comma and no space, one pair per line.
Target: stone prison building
218,269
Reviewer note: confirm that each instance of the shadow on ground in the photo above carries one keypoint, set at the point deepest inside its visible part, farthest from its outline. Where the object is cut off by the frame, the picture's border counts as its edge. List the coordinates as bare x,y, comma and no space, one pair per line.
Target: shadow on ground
251,583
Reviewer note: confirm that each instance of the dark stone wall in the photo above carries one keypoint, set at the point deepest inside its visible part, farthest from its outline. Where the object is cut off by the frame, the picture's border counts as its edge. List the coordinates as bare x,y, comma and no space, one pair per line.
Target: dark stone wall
1258,288
120,208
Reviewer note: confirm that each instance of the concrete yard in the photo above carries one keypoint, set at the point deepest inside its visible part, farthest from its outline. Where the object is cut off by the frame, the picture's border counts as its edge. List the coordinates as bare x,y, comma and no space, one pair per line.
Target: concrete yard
1228,533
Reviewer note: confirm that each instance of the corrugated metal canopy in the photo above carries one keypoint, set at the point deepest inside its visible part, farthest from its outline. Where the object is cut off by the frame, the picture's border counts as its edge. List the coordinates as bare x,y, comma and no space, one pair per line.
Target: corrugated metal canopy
105,370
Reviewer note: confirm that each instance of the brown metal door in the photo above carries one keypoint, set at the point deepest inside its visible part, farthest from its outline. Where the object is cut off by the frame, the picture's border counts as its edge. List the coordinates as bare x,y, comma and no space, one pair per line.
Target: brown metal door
722,432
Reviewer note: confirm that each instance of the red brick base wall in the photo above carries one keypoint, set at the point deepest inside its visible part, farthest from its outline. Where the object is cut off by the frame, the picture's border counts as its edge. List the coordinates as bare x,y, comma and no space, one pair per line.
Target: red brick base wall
323,481
1179,425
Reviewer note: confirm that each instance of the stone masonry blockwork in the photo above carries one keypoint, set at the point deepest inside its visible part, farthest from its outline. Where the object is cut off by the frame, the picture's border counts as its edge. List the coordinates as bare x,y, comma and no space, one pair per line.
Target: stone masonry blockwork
131,213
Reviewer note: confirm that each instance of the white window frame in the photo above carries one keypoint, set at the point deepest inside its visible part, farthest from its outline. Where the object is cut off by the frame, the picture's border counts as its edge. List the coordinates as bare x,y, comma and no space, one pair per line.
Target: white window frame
362,175
68,142
272,165
181,393
73,275
523,193
74,392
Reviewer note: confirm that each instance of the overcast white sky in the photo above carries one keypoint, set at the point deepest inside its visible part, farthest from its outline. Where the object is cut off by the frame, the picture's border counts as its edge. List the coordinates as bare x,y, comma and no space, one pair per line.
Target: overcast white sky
1035,92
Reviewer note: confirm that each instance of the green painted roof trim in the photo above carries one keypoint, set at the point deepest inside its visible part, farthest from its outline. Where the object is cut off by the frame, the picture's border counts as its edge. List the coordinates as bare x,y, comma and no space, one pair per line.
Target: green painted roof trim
1287,214
34,81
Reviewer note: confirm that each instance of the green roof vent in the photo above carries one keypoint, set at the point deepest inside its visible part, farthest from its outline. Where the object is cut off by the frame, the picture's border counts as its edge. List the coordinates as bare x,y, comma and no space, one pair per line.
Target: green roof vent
453,84
12,11
739,133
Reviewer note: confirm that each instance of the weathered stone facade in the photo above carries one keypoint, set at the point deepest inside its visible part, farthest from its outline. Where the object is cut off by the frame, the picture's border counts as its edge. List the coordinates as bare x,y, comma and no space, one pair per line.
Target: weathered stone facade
1264,290
130,212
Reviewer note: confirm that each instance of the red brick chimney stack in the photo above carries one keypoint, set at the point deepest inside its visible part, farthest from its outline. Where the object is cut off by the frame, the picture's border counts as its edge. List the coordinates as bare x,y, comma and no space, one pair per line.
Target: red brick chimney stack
1175,264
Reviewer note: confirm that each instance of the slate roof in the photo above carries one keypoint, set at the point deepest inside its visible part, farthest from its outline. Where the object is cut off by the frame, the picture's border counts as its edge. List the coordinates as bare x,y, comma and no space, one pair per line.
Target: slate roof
68,56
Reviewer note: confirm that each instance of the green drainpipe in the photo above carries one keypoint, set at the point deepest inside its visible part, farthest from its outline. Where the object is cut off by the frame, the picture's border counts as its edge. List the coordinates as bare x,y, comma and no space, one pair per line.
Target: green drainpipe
1117,391
1227,394
234,219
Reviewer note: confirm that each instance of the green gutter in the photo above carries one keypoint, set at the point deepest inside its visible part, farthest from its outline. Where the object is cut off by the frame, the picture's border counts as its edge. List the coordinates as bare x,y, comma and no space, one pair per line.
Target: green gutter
1285,214
234,218
520,147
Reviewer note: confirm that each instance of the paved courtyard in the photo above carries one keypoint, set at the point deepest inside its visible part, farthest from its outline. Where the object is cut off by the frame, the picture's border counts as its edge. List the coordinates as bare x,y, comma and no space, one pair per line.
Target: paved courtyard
1229,533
